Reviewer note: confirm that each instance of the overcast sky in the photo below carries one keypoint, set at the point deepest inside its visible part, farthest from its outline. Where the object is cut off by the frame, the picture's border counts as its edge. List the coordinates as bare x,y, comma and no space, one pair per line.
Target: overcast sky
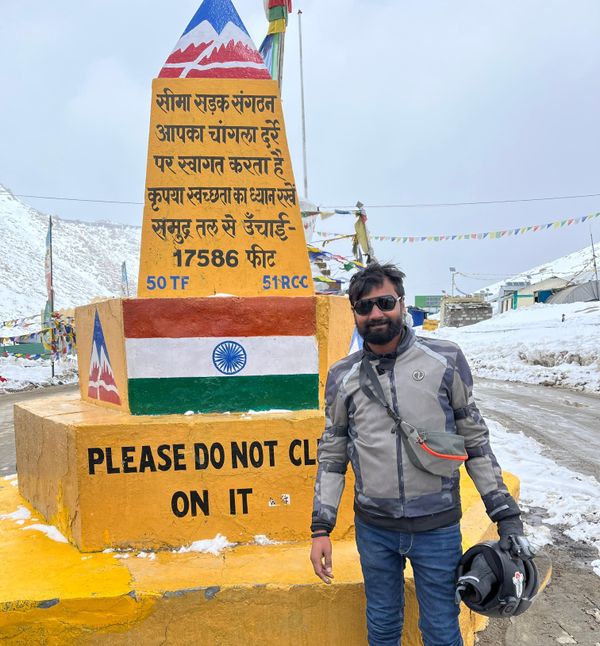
407,102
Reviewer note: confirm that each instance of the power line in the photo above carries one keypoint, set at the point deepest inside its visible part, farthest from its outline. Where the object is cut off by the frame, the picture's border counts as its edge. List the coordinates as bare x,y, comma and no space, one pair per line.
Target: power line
77,199
353,206
442,204
483,277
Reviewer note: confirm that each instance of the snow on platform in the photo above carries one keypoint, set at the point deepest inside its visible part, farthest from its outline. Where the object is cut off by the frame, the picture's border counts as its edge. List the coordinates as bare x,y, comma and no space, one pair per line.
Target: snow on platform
211,593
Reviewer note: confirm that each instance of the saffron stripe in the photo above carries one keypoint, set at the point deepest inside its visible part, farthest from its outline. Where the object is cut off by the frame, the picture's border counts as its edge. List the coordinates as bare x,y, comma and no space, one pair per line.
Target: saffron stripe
223,394
219,317
168,358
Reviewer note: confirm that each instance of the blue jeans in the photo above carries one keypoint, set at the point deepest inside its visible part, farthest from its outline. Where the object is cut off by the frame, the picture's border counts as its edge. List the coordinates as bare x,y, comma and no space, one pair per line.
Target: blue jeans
434,556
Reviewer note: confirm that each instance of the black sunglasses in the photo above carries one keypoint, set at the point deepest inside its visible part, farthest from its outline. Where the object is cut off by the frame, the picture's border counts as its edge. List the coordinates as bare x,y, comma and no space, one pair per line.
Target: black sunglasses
384,303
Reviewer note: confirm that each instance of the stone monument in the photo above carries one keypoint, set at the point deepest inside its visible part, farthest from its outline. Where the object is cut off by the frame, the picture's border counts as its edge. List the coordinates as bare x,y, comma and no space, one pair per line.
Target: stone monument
200,404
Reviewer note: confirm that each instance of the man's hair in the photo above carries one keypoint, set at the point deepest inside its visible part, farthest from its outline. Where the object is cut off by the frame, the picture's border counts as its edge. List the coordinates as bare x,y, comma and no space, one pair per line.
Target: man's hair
372,276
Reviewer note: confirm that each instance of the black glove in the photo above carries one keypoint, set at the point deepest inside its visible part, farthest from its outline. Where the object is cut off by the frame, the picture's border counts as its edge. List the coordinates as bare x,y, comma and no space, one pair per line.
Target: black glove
513,540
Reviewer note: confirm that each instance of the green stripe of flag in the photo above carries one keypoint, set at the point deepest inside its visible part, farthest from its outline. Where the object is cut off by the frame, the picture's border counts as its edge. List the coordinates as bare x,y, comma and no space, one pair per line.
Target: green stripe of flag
223,394
278,13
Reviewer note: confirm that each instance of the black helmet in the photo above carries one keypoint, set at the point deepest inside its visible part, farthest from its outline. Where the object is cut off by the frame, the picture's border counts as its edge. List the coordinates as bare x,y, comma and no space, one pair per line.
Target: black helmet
491,582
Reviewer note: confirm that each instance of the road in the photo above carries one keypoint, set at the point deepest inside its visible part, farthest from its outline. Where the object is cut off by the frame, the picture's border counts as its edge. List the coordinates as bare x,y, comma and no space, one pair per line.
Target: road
567,425
565,422
8,460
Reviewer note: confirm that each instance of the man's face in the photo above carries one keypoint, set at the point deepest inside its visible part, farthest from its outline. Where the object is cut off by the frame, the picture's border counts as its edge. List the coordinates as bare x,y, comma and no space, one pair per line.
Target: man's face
380,327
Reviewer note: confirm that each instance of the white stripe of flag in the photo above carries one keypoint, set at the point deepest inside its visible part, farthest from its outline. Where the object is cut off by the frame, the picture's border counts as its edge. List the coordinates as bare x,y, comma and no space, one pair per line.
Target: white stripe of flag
164,358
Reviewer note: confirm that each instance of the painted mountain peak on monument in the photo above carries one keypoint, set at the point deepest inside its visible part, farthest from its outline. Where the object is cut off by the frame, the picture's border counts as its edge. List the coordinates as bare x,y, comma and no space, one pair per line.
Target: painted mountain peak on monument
102,385
215,44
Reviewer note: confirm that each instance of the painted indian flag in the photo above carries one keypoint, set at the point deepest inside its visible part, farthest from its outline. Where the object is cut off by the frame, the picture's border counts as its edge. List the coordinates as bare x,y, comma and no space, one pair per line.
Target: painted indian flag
221,354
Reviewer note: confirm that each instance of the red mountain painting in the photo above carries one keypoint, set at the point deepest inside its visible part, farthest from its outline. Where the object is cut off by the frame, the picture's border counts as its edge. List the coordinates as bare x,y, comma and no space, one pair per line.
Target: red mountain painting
215,45
101,385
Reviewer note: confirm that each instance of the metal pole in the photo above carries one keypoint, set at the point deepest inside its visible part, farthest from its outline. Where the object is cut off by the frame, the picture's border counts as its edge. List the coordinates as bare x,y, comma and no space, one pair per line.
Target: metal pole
51,303
453,272
281,55
595,265
304,158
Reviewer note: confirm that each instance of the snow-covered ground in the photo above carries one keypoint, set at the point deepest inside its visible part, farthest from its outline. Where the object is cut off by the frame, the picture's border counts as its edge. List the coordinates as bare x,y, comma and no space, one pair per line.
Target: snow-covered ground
571,500
17,373
534,345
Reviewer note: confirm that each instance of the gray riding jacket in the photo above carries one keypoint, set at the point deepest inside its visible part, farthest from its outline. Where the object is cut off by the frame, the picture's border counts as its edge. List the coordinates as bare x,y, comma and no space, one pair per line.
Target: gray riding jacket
428,383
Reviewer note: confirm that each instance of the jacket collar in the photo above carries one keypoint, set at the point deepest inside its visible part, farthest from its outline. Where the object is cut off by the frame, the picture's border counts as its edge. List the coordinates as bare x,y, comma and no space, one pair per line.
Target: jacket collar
406,341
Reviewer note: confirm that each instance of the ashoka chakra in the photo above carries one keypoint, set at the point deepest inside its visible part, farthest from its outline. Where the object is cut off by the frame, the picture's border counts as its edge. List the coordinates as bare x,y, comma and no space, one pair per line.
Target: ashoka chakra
229,357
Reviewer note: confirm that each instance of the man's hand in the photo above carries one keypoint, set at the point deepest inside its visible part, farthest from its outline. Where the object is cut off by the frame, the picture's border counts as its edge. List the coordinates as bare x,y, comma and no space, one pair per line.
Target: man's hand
513,540
320,556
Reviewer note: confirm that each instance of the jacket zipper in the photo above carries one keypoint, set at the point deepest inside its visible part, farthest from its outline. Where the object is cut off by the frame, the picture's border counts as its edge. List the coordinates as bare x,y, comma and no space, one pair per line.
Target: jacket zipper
398,439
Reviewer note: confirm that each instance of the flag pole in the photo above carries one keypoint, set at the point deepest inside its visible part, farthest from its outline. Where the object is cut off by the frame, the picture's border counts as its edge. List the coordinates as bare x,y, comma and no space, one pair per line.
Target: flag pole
51,298
124,280
281,55
595,265
304,157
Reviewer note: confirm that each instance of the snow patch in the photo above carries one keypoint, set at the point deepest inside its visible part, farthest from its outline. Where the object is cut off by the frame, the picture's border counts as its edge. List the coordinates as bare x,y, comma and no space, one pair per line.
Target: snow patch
261,539
534,345
21,514
51,532
539,536
25,374
571,500
12,479
209,546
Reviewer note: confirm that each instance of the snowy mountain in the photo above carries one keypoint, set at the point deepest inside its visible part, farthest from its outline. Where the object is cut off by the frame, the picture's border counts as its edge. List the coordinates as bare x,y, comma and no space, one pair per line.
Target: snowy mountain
215,44
87,259
203,41
577,267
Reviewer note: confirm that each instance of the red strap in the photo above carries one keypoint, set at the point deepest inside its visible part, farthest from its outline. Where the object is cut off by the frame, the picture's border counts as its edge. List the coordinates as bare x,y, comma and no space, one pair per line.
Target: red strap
424,446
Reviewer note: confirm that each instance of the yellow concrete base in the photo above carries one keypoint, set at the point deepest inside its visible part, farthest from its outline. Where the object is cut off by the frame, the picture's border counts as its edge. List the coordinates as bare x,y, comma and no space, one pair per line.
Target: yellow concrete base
109,479
50,593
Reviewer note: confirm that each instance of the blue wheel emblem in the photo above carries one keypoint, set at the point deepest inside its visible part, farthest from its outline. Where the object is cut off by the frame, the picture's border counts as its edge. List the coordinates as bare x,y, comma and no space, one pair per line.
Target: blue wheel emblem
229,357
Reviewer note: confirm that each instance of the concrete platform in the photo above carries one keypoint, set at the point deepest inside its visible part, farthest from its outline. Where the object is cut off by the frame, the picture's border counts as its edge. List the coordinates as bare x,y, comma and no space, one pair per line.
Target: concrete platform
51,593
108,479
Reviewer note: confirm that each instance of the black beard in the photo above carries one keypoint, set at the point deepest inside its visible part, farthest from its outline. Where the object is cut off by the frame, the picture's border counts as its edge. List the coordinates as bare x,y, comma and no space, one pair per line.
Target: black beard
382,335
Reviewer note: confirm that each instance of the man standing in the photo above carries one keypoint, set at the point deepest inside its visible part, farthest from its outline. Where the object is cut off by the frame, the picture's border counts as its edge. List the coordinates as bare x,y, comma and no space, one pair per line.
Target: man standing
402,412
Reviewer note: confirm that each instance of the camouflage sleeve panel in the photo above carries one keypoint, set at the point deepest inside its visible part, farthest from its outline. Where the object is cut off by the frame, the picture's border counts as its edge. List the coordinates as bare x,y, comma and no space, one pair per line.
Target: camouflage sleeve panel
332,456
500,505
482,466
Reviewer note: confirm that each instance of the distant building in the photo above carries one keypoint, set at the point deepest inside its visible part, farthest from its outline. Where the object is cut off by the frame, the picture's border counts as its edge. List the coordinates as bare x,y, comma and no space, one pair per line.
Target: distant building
583,293
429,304
515,295
464,310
